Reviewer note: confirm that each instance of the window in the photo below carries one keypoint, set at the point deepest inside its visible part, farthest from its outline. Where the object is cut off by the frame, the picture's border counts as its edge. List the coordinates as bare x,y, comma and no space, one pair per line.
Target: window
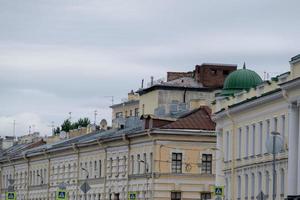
239,182
151,160
143,109
176,162
259,182
282,181
126,113
252,186
124,165
100,168
253,140
130,113
132,164
275,124
260,137
227,147
205,196
240,143
110,166
226,72
138,163
119,115
136,112
206,164
267,183
213,71
118,166
175,195
246,186
247,142
283,127
145,163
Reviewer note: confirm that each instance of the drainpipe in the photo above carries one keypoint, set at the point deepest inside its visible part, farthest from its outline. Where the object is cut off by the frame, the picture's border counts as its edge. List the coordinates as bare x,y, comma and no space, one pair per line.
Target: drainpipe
76,150
47,178
233,154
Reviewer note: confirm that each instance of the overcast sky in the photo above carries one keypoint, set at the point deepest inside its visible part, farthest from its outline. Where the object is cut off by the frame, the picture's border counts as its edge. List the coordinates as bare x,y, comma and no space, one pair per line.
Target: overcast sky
58,56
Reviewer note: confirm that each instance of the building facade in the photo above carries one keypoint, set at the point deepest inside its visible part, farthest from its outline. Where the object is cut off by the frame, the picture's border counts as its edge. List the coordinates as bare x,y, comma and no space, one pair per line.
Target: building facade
173,161
245,118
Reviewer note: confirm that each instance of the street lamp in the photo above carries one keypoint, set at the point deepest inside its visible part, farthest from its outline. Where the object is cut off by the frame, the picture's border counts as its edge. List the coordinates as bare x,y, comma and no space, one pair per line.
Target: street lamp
146,172
87,176
274,145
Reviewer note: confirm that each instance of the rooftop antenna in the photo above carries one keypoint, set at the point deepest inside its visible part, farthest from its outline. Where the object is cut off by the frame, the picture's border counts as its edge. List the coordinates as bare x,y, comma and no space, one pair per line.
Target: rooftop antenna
244,65
142,83
70,116
95,117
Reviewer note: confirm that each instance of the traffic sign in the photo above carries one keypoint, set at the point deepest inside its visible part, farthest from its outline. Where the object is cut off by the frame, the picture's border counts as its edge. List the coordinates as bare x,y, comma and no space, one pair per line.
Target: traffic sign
278,144
61,195
10,196
219,191
62,186
85,187
132,196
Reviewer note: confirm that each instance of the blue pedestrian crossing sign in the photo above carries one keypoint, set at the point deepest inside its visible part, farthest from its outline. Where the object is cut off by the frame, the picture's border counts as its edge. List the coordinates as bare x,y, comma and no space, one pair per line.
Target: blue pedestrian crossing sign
61,195
219,191
132,196
10,196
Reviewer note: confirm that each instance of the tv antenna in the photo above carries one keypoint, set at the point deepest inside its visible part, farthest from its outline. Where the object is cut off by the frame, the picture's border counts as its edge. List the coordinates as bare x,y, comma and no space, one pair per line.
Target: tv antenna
95,117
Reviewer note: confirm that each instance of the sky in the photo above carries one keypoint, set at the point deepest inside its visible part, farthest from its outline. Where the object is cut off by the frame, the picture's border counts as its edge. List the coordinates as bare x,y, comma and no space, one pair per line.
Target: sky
61,56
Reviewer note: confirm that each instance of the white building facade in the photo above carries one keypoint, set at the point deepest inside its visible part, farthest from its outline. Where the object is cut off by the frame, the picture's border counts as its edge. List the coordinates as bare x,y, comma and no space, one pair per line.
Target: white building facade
244,122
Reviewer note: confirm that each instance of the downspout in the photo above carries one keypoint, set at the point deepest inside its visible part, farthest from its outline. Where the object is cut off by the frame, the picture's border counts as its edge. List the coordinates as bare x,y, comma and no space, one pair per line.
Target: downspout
104,166
28,177
233,154
76,150
125,139
48,178
152,163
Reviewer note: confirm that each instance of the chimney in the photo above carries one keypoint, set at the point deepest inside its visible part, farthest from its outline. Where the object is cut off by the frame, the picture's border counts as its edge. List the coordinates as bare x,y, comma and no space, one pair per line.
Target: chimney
152,78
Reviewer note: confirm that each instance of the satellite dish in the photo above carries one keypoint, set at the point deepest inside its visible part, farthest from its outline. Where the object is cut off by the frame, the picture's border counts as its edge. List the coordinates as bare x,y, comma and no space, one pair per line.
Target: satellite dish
278,143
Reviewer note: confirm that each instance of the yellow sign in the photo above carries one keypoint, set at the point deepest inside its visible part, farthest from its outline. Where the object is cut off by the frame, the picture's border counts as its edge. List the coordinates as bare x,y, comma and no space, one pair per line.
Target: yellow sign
61,195
132,196
10,196
219,191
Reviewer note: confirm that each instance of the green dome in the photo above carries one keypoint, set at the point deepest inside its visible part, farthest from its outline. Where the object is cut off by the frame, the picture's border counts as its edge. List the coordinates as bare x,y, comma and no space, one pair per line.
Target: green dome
242,79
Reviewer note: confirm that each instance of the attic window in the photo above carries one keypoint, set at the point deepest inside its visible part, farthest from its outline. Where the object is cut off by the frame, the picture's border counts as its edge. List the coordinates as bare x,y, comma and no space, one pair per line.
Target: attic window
213,71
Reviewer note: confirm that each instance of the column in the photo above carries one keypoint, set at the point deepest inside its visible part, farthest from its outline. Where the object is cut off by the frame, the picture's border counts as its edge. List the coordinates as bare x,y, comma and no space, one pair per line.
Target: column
293,149
298,167
219,160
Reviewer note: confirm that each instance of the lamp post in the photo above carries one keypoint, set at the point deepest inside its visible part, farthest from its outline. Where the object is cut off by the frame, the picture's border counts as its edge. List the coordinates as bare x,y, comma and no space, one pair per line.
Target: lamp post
147,177
87,176
274,145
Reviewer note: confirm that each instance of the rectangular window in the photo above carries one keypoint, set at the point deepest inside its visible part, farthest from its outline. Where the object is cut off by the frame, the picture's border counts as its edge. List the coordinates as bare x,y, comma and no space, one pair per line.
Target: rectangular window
275,124
283,128
177,163
227,147
247,142
130,113
205,196
118,167
260,137
253,139
138,164
132,164
145,163
136,112
100,168
175,195
206,164
151,162
240,143
110,167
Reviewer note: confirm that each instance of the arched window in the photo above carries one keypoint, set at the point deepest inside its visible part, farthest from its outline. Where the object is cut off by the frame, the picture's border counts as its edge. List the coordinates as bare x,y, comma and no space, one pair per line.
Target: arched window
282,182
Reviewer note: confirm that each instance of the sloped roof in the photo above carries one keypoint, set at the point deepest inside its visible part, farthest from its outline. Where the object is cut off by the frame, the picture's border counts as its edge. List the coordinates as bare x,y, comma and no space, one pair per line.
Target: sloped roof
198,119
